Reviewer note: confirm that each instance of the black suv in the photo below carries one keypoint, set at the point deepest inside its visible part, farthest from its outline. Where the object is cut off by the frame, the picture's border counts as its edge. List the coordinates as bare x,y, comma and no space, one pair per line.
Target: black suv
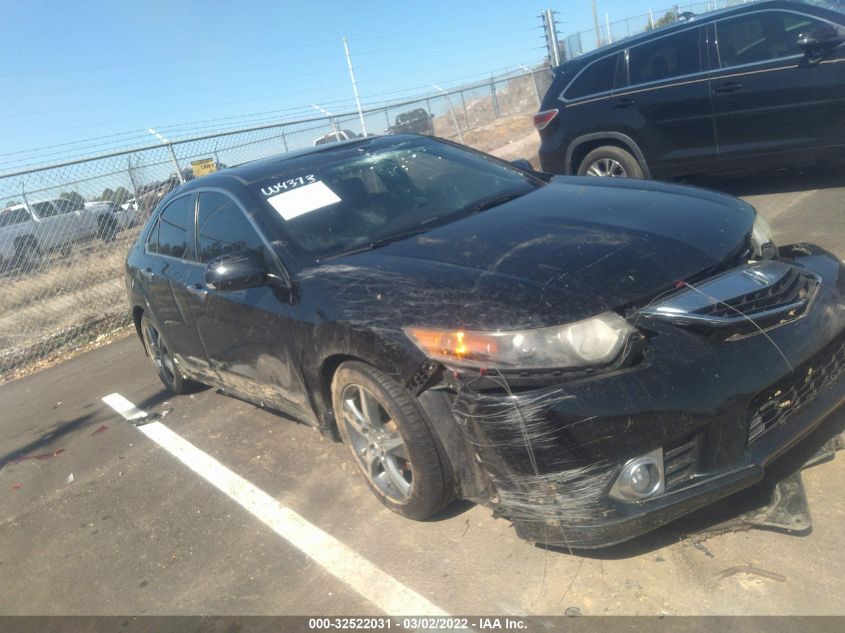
417,121
751,87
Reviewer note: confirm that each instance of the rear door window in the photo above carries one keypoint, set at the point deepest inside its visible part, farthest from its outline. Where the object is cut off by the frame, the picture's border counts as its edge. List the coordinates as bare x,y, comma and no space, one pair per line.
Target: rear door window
596,78
222,228
173,227
665,58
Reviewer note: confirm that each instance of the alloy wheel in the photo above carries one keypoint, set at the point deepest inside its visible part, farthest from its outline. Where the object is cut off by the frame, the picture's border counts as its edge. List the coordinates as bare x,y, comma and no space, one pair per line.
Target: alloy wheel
376,442
162,360
607,168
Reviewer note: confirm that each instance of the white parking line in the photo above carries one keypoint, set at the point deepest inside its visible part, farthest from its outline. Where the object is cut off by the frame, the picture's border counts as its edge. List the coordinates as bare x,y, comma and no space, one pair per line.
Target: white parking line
378,587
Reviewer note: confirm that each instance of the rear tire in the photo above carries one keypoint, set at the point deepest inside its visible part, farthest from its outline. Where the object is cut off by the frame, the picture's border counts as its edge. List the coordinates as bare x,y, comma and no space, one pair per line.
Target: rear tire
159,352
391,442
28,255
609,161
107,228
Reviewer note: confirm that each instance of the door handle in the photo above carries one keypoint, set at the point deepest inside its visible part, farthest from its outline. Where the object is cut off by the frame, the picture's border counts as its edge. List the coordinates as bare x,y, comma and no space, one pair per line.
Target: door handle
147,274
198,291
623,103
728,86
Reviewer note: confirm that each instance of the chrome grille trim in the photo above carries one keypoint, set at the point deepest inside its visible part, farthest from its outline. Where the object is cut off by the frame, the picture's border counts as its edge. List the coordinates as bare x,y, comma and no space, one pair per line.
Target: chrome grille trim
762,291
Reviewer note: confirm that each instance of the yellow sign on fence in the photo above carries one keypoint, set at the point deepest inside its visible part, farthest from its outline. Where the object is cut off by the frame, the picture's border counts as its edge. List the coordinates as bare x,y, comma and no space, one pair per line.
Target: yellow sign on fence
203,167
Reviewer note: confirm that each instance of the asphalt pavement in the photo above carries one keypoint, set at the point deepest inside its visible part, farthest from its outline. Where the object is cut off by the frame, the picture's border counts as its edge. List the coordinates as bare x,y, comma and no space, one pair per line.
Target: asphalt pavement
96,517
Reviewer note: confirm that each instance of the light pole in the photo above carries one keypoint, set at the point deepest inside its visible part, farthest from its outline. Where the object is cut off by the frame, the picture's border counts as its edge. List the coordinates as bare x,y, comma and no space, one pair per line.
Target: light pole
452,110
354,87
172,153
328,114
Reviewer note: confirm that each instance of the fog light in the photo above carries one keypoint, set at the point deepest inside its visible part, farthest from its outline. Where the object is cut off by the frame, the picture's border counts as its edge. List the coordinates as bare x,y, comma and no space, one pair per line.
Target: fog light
641,477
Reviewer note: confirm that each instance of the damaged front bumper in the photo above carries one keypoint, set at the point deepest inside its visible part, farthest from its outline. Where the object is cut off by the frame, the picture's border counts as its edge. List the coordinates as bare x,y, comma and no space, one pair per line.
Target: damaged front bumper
546,451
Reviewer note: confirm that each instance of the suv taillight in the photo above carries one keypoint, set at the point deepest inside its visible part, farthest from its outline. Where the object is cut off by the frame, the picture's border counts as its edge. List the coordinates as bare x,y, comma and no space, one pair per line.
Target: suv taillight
542,119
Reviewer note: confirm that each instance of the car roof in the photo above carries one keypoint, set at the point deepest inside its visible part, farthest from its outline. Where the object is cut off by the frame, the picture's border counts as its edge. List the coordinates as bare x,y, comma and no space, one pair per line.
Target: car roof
248,173
681,25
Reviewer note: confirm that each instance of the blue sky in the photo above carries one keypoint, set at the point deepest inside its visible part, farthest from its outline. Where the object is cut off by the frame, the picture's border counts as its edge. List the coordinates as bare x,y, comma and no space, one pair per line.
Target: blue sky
91,73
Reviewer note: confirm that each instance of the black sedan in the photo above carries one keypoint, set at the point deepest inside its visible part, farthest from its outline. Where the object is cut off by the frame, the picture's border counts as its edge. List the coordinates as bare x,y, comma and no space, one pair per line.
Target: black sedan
590,358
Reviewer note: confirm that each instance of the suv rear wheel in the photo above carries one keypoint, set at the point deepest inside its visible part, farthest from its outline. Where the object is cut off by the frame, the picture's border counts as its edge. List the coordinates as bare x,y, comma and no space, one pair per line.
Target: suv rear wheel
391,442
609,161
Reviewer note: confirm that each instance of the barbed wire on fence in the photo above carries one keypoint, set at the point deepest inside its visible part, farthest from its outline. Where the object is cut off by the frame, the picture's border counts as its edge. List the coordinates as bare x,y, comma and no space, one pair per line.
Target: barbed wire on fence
609,32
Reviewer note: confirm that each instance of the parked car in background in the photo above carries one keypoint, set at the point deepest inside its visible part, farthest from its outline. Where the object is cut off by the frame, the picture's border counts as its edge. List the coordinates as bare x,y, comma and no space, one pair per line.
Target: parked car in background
591,358
112,218
755,86
417,121
29,231
334,137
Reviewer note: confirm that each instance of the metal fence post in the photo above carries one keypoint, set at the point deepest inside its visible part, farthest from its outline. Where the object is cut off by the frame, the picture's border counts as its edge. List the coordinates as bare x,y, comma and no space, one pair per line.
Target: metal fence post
176,162
496,113
387,120
172,153
285,141
452,110
464,106
132,180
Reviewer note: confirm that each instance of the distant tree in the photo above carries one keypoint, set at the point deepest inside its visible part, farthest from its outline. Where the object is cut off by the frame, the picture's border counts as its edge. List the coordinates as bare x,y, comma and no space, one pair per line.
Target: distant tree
120,196
75,197
668,18
107,195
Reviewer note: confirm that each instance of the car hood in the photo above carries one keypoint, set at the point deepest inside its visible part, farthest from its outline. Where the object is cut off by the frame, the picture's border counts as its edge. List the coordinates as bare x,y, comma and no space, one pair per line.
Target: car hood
567,251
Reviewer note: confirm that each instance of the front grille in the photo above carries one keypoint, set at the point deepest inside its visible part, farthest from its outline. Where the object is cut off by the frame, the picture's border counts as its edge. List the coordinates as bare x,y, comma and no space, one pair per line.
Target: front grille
747,299
680,461
794,287
774,406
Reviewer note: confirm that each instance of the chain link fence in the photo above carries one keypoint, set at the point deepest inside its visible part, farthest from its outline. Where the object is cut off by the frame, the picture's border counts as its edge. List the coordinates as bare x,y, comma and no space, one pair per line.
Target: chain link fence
65,228
609,32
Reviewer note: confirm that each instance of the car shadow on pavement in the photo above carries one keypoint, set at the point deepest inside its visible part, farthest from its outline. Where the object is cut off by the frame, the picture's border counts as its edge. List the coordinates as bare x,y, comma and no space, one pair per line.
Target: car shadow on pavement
792,179
721,516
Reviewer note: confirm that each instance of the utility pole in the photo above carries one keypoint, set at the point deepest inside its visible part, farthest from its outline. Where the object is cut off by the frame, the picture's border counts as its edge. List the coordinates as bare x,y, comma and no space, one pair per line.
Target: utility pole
596,24
550,29
354,86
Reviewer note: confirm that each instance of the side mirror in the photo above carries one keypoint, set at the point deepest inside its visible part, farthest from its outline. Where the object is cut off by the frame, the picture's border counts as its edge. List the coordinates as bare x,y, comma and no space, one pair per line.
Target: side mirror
235,271
819,41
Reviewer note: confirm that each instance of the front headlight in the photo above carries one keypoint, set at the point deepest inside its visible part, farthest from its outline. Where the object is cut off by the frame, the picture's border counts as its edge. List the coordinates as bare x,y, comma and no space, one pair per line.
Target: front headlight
594,341
762,242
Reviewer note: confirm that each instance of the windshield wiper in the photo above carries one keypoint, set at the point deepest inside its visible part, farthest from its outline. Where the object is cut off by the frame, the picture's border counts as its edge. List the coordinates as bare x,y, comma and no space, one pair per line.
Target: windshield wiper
381,242
496,201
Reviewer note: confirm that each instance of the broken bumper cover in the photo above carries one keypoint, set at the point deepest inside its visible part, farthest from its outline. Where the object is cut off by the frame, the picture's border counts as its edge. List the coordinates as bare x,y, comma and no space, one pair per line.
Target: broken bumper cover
553,453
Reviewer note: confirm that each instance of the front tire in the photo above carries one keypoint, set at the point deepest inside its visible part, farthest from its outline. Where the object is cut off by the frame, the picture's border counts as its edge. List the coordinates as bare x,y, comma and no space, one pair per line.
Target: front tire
159,352
609,161
391,442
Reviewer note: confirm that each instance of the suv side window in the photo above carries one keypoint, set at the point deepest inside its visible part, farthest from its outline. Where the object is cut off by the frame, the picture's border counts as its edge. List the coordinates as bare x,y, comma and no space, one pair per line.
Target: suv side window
665,57
222,228
173,227
760,37
596,78
13,216
44,209
66,206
